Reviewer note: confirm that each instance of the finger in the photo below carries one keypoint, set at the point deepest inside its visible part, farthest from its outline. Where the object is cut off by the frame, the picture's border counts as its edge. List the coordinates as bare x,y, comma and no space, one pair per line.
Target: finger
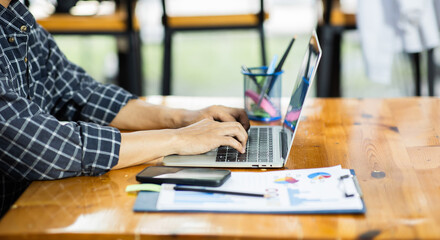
243,136
234,129
232,142
233,115
237,115
243,118
223,115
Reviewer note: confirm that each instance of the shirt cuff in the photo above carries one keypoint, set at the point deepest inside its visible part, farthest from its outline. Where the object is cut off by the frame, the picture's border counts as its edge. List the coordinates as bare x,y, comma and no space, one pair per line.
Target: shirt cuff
105,103
101,146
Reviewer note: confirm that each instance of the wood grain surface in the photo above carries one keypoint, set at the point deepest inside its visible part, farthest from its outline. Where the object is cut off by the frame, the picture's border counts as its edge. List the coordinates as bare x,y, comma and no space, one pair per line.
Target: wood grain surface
392,144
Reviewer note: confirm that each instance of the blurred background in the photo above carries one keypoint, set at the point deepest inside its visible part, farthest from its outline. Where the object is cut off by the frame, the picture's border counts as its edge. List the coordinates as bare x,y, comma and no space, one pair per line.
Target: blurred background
207,63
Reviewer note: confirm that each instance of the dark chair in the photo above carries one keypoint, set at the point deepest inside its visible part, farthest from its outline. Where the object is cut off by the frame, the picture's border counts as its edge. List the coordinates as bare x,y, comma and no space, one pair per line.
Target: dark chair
173,24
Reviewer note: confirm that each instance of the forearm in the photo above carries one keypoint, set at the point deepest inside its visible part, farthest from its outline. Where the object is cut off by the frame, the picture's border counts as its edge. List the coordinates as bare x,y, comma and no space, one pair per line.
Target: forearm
143,146
140,115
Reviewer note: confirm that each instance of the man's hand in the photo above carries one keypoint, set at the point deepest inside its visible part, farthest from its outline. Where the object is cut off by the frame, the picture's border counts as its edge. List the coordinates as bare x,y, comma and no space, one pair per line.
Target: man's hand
203,136
176,131
208,134
140,115
217,113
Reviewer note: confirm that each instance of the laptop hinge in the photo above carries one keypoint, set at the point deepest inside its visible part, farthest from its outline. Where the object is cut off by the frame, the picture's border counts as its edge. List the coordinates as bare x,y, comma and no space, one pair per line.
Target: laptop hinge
283,145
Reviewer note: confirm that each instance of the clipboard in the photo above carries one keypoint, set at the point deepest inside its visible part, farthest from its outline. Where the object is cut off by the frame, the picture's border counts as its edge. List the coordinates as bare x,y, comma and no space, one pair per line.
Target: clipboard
147,202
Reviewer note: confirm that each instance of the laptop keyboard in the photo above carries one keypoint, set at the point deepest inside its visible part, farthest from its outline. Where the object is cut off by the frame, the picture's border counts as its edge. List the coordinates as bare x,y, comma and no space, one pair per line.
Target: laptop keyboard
258,148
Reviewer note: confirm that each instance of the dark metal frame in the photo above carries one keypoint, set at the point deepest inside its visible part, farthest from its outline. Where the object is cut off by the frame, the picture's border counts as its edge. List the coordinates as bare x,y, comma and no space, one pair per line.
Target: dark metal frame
416,63
329,72
169,31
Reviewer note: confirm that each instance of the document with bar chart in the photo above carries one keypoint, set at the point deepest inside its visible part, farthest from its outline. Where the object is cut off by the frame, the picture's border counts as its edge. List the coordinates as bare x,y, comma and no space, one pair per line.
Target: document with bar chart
319,190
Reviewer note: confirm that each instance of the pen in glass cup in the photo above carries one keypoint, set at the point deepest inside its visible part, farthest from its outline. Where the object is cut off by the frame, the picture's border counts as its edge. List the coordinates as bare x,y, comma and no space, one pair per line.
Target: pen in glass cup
280,64
266,103
269,72
246,70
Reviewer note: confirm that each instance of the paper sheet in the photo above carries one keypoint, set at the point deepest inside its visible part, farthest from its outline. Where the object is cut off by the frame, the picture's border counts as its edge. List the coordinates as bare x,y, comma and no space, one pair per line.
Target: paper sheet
291,190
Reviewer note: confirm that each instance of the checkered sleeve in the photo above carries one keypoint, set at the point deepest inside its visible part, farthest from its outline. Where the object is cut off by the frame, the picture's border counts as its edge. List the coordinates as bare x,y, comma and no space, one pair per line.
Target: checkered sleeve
36,146
75,95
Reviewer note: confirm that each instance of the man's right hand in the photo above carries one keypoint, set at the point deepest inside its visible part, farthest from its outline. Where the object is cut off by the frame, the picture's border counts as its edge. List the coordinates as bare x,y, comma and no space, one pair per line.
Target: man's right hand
143,146
208,134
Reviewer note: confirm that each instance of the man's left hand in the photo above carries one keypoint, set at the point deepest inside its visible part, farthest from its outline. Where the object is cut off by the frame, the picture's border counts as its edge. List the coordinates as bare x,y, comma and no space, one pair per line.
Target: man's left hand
217,113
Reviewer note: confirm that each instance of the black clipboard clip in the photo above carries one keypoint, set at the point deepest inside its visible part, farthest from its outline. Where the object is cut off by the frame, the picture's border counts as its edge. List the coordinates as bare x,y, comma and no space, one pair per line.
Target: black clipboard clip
357,192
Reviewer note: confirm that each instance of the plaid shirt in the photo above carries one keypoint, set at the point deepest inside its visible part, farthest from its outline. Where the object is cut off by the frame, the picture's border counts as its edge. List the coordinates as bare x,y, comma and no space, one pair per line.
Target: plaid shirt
39,88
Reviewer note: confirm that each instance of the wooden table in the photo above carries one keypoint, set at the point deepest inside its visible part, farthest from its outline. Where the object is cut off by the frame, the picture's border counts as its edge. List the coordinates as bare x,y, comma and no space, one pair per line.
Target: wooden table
393,144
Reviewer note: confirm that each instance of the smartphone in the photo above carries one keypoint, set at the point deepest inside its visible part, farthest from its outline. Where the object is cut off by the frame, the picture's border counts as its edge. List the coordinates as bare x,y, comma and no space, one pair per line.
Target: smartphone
184,176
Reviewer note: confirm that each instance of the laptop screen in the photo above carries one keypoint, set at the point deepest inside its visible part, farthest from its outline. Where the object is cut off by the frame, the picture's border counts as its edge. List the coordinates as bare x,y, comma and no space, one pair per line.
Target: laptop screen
301,88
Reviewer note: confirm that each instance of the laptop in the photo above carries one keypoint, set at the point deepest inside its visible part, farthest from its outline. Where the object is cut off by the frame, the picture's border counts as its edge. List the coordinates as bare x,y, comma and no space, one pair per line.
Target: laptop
267,146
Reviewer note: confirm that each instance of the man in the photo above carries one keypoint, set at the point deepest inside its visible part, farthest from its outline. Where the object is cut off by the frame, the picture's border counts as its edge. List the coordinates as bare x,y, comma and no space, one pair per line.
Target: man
39,88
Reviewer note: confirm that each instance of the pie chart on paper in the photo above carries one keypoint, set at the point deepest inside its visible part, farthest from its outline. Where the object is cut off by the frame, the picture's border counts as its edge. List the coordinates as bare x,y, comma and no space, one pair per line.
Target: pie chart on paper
319,175
286,180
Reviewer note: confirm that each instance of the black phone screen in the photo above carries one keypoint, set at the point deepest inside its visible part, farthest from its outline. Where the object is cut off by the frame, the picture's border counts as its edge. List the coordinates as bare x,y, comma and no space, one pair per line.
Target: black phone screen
184,176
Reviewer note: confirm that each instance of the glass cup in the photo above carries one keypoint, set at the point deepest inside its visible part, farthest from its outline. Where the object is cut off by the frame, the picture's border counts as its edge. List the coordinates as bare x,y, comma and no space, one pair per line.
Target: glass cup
262,94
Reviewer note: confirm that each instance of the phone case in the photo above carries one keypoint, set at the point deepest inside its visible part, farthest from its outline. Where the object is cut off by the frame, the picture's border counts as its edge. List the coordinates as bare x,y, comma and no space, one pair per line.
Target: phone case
177,176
